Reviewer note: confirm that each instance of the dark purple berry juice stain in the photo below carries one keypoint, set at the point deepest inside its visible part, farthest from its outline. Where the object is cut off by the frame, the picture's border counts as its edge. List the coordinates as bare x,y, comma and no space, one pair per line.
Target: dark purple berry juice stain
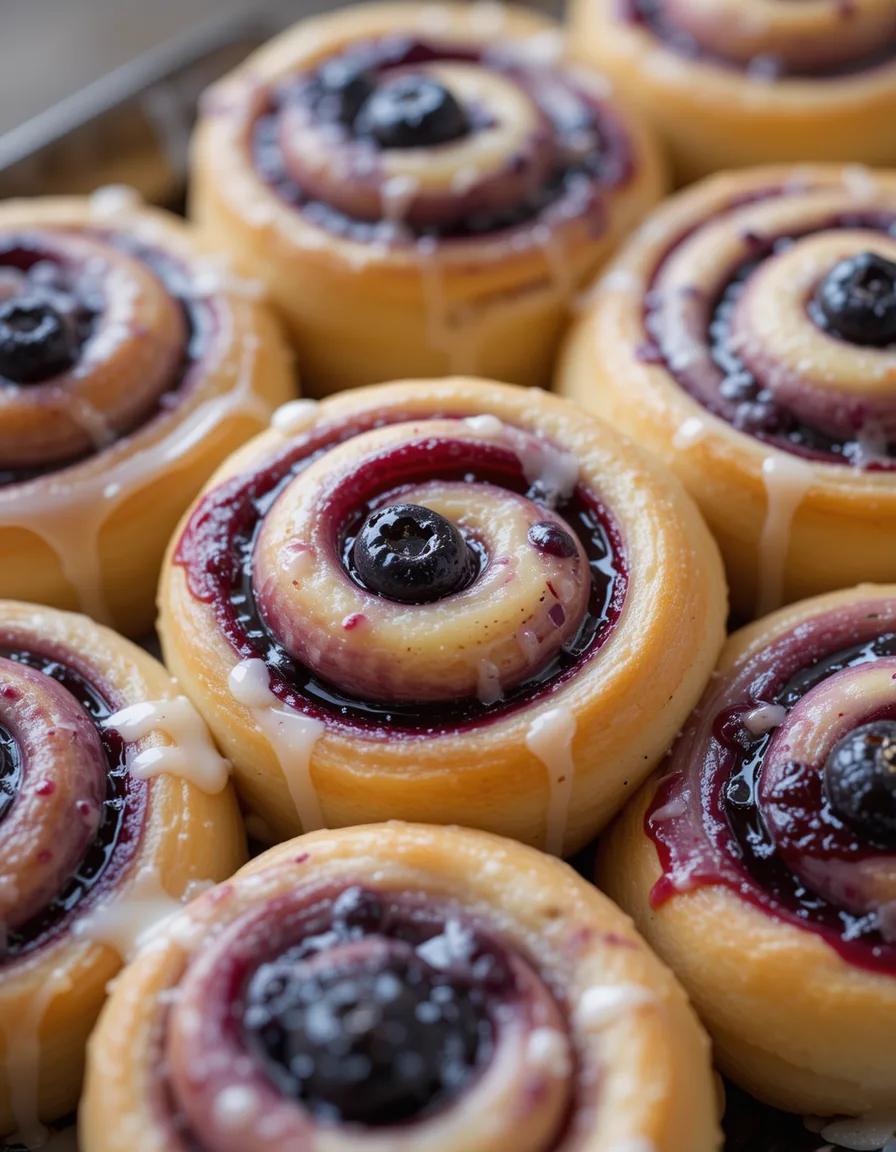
122,817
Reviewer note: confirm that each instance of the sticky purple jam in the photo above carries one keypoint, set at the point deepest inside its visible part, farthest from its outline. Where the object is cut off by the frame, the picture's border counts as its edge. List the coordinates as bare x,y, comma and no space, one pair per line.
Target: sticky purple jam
123,814
739,851
380,1036
217,547
10,771
573,184
652,15
83,303
739,397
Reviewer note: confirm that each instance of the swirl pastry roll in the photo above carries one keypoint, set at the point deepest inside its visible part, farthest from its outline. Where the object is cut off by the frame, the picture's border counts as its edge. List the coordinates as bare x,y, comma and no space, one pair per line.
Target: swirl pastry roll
131,364
422,188
114,804
729,84
761,864
400,988
747,335
462,603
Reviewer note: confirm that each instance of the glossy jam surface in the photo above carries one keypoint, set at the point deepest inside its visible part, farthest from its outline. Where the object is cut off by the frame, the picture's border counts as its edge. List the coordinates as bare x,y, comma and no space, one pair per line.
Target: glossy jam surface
123,811
574,180
217,547
376,1035
740,398
764,68
739,850
81,298
10,771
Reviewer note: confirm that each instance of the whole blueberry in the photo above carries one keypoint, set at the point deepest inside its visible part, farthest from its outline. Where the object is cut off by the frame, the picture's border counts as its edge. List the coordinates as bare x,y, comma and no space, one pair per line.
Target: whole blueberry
37,341
860,780
375,1042
411,111
551,539
857,300
412,555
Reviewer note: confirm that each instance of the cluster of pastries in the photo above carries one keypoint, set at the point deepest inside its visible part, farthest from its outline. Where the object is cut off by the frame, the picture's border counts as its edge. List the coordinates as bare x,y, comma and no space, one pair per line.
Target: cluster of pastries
459,607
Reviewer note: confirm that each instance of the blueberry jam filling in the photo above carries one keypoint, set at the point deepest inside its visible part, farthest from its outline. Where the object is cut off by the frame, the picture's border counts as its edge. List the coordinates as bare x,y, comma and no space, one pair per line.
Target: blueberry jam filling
60,291
651,14
375,1042
551,539
366,1021
340,89
740,398
860,781
857,301
10,771
370,93
120,824
817,823
411,112
37,340
412,555
218,545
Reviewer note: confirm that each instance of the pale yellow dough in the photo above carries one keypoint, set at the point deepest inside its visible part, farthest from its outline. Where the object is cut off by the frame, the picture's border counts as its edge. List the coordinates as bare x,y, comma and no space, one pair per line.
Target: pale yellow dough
627,701
791,1021
50,999
655,1089
361,312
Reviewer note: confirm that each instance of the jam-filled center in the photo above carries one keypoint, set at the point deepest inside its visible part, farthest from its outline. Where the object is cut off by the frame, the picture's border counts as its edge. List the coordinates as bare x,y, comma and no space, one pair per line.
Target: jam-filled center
856,301
860,780
37,340
378,1039
412,111
412,555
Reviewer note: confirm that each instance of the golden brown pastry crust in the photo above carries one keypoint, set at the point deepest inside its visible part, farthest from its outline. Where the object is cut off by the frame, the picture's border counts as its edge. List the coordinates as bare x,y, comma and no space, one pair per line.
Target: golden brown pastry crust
51,994
628,1021
91,535
716,115
792,1019
620,708
362,312
788,527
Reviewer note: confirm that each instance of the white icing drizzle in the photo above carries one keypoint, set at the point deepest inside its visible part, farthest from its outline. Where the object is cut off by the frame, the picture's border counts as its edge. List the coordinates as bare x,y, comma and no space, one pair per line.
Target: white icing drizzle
291,735
786,480
191,755
236,1106
294,416
554,471
456,336
453,945
764,718
69,513
691,432
489,689
550,738
128,920
114,200
864,1134
548,1051
670,811
603,1005
634,1144
22,1043
486,425
397,194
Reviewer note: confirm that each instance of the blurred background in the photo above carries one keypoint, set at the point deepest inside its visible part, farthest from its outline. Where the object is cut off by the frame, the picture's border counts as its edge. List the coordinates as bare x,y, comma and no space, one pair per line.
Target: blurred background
51,48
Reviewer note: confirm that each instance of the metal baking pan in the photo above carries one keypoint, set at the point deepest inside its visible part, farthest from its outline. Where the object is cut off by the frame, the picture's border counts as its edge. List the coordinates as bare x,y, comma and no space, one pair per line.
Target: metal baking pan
133,127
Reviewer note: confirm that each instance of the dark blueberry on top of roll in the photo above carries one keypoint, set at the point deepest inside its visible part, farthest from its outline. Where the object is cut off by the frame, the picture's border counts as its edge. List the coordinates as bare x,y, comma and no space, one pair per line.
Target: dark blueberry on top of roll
857,300
860,780
412,555
412,111
37,341
378,1040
